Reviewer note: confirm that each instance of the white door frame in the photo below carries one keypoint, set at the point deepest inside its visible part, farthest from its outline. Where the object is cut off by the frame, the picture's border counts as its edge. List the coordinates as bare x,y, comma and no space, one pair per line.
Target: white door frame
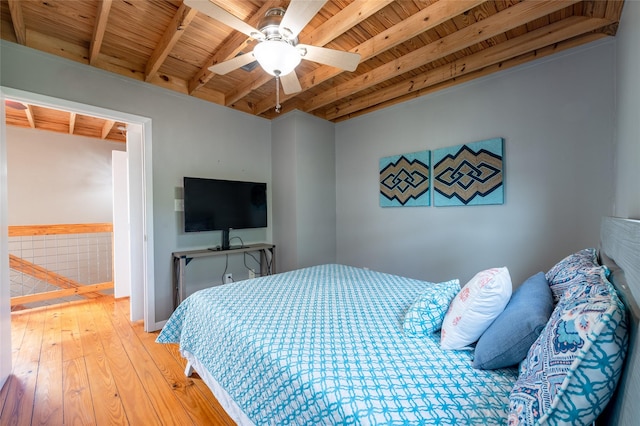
140,190
121,227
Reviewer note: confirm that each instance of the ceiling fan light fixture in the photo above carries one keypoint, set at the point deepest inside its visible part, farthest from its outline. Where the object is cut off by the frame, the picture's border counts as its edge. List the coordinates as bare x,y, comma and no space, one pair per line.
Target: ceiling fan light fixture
277,57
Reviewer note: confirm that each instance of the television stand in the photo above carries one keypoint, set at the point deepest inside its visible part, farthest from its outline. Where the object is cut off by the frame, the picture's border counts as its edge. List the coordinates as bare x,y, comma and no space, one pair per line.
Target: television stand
182,258
218,248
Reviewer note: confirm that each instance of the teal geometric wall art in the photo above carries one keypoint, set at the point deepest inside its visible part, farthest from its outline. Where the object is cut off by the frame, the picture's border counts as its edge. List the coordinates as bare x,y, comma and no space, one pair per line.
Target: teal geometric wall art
405,180
470,174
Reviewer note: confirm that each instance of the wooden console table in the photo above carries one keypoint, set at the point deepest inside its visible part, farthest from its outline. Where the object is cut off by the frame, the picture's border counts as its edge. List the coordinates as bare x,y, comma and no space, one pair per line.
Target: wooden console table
182,258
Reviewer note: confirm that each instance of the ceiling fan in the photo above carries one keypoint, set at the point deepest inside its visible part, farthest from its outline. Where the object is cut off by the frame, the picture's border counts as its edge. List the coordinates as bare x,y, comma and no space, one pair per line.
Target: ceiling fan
278,51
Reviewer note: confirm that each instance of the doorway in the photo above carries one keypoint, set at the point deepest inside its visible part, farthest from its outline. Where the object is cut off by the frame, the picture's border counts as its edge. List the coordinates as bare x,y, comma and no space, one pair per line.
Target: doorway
141,204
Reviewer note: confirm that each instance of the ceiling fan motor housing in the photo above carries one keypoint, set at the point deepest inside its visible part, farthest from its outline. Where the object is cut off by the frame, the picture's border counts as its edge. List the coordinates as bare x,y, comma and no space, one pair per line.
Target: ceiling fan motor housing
276,53
270,26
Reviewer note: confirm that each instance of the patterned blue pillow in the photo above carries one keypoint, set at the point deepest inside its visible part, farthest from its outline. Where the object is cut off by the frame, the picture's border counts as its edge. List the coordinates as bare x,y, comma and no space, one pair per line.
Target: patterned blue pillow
572,369
593,284
427,312
571,270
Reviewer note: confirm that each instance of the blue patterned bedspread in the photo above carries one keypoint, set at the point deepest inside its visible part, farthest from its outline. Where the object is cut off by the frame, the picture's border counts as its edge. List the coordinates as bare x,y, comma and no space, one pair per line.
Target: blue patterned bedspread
324,345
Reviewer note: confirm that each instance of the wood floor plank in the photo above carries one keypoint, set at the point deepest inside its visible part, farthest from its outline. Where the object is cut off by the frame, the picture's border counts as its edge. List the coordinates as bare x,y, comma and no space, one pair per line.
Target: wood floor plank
167,405
198,402
51,350
107,401
18,330
78,405
85,363
174,350
3,394
49,401
138,408
18,407
28,350
89,337
48,393
70,332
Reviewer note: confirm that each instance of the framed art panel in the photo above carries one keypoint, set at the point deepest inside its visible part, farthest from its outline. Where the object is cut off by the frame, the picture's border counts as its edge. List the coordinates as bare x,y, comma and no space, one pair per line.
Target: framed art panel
405,180
470,174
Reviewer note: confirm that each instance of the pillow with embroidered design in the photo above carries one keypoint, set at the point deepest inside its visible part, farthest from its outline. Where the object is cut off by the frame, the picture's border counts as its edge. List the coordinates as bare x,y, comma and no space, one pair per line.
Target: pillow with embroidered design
475,307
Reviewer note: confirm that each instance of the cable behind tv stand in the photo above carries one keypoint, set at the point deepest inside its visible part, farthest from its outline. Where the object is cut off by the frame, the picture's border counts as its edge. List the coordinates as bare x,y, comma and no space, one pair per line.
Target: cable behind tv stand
182,258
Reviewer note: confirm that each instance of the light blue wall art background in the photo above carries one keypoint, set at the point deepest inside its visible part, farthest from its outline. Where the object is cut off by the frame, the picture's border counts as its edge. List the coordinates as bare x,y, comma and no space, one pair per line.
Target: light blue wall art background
405,180
469,174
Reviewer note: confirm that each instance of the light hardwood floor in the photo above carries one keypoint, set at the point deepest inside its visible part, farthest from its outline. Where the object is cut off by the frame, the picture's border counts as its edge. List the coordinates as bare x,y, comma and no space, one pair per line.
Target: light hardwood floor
84,363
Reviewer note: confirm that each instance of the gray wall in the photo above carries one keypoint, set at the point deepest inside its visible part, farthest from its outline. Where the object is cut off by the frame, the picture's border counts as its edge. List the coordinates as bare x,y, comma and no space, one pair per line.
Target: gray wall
556,117
304,207
58,178
285,214
627,201
190,137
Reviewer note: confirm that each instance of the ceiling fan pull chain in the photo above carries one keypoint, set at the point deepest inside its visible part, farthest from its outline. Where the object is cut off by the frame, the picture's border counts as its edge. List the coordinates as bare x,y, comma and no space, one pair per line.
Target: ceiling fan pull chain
278,106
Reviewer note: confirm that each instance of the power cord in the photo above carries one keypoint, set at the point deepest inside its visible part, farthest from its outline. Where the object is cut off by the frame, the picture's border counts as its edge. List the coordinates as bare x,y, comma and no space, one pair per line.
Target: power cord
241,242
226,266
255,260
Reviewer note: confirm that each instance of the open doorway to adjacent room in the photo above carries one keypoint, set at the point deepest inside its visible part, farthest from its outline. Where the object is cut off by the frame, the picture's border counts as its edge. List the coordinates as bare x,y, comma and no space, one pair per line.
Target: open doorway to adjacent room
130,135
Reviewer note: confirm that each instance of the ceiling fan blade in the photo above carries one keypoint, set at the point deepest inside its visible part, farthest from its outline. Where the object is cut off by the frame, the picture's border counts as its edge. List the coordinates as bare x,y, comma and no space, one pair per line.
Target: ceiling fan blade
336,58
298,14
290,83
219,14
232,64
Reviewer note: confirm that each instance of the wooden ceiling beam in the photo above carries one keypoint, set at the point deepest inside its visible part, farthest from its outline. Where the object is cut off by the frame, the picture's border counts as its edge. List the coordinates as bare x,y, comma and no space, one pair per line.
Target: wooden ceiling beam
344,20
72,122
236,44
79,54
614,10
15,8
332,28
492,26
29,113
106,128
102,16
172,34
554,33
427,18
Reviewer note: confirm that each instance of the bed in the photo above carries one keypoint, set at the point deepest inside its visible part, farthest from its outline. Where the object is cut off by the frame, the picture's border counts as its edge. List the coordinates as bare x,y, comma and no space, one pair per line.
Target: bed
329,345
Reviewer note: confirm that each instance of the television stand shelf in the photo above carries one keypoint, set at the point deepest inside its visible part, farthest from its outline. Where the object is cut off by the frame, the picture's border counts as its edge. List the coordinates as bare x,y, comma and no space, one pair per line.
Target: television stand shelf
182,258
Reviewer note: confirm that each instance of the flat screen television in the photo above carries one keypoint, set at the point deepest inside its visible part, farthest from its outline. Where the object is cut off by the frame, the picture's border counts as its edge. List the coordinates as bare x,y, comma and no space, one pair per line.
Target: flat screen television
222,205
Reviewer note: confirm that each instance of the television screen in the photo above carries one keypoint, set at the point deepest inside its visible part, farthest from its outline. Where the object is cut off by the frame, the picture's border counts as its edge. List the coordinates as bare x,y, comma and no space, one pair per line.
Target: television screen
220,205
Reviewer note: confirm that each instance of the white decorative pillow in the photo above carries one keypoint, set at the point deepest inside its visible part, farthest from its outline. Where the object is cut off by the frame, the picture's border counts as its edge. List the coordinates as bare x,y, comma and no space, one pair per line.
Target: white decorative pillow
473,310
427,312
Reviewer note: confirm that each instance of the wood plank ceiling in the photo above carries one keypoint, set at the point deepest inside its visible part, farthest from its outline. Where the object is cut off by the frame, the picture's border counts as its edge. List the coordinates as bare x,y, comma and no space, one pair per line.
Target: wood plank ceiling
44,118
409,48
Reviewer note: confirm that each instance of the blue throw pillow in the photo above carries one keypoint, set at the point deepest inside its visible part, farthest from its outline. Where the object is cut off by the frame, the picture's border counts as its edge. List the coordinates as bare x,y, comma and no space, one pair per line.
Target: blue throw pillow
508,339
427,312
